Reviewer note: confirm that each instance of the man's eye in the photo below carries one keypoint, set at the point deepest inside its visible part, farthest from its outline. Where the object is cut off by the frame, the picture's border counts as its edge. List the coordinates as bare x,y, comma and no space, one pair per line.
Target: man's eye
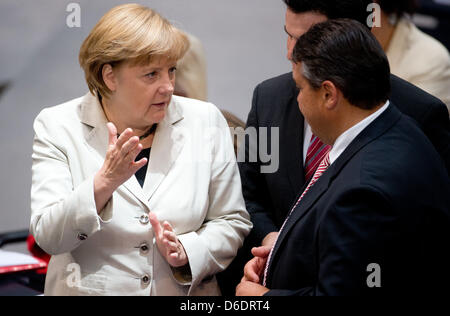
151,74
173,69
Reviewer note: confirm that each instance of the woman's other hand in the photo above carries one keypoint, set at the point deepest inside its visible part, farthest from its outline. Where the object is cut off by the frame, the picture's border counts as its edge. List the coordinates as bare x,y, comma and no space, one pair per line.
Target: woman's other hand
168,244
119,165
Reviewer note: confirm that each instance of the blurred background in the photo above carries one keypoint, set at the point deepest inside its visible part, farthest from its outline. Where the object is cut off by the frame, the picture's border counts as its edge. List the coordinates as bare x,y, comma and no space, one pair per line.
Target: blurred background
243,41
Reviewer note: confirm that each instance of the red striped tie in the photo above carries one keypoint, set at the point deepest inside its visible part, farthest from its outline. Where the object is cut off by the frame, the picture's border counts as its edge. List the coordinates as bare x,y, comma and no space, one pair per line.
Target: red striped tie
316,152
325,163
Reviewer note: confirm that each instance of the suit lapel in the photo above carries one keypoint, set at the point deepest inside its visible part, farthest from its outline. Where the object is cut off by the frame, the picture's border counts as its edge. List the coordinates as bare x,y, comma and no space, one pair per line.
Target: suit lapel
91,114
292,133
314,193
378,127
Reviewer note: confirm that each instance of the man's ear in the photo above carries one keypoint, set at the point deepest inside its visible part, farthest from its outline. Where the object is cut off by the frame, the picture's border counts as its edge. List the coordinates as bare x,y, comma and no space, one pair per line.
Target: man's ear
109,77
330,94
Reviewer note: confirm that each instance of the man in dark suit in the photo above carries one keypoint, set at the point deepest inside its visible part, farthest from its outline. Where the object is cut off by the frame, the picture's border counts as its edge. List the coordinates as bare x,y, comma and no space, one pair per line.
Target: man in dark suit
375,217
269,196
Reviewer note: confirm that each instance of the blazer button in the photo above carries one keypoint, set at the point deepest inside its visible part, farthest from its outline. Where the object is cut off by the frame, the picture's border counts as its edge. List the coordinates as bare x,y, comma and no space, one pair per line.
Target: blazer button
144,219
145,279
144,248
82,237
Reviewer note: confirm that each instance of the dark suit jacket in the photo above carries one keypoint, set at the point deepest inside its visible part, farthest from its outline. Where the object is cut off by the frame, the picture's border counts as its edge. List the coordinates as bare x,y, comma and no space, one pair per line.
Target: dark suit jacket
385,200
270,196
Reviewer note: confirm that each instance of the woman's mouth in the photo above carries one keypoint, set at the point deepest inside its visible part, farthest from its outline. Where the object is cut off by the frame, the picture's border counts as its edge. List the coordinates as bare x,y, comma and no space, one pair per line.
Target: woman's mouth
160,105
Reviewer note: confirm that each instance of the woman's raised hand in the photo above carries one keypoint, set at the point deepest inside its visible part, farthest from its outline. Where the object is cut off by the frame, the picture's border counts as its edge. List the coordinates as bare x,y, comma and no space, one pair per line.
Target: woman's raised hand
119,164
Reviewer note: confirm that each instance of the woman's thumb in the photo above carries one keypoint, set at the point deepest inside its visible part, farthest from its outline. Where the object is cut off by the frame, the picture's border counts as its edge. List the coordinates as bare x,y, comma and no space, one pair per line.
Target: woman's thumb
112,132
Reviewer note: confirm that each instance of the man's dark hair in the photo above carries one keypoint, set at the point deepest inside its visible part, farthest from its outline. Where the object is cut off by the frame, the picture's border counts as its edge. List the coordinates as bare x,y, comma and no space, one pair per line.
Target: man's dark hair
398,7
346,53
333,9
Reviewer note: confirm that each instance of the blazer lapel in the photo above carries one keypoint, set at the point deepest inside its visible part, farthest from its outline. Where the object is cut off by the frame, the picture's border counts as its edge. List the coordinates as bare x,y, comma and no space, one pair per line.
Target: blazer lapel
92,114
310,198
96,139
167,145
378,127
292,132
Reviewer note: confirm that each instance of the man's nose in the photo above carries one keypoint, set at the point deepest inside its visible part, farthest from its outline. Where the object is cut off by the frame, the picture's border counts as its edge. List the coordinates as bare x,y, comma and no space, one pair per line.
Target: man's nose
290,48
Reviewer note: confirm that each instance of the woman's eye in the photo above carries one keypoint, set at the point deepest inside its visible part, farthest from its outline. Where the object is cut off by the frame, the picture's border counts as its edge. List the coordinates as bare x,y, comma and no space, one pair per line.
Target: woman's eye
172,72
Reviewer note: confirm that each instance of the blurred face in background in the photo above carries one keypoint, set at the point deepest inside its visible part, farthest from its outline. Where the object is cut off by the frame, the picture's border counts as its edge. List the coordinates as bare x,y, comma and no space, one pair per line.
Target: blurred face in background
297,24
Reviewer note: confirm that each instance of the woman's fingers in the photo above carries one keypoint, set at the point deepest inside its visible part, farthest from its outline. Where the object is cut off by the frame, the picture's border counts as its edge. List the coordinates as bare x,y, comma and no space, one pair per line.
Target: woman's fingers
134,153
124,137
126,148
171,236
167,241
139,164
155,225
129,146
174,248
171,246
168,228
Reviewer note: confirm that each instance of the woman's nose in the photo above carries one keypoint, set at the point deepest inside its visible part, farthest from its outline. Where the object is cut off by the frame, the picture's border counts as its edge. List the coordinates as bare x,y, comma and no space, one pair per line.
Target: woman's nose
166,87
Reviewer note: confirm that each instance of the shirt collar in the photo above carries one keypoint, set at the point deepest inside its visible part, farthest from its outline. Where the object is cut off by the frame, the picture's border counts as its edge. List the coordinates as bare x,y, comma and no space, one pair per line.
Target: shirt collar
349,135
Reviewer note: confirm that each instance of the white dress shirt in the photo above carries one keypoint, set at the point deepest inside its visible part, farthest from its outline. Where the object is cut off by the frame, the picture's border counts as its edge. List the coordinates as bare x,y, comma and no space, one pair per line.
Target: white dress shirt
307,134
349,135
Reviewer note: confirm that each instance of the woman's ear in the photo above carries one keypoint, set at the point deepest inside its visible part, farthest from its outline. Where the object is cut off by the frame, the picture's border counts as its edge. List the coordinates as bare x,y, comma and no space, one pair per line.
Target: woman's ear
109,77
330,94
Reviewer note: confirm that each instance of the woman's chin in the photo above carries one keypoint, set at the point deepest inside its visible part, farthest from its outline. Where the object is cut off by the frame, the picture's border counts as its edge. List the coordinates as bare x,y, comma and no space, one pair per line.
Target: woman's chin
158,117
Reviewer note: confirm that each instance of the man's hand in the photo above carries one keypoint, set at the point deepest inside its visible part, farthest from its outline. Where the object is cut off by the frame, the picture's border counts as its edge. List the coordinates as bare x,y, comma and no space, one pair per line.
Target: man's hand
247,288
168,244
254,269
270,239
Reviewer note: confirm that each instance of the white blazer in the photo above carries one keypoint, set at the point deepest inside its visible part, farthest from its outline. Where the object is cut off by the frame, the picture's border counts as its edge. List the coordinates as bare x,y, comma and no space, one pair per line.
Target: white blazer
192,182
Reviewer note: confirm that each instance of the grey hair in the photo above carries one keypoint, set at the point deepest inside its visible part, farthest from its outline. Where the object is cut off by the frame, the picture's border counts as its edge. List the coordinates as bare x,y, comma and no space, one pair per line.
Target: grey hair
316,80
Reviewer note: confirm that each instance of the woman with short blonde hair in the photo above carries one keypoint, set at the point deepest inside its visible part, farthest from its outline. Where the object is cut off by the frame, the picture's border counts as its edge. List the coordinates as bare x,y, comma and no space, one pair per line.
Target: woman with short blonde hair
129,32
116,198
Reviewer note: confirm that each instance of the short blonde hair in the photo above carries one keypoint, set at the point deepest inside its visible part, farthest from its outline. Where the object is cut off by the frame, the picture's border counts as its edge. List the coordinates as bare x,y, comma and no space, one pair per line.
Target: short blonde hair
132,33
